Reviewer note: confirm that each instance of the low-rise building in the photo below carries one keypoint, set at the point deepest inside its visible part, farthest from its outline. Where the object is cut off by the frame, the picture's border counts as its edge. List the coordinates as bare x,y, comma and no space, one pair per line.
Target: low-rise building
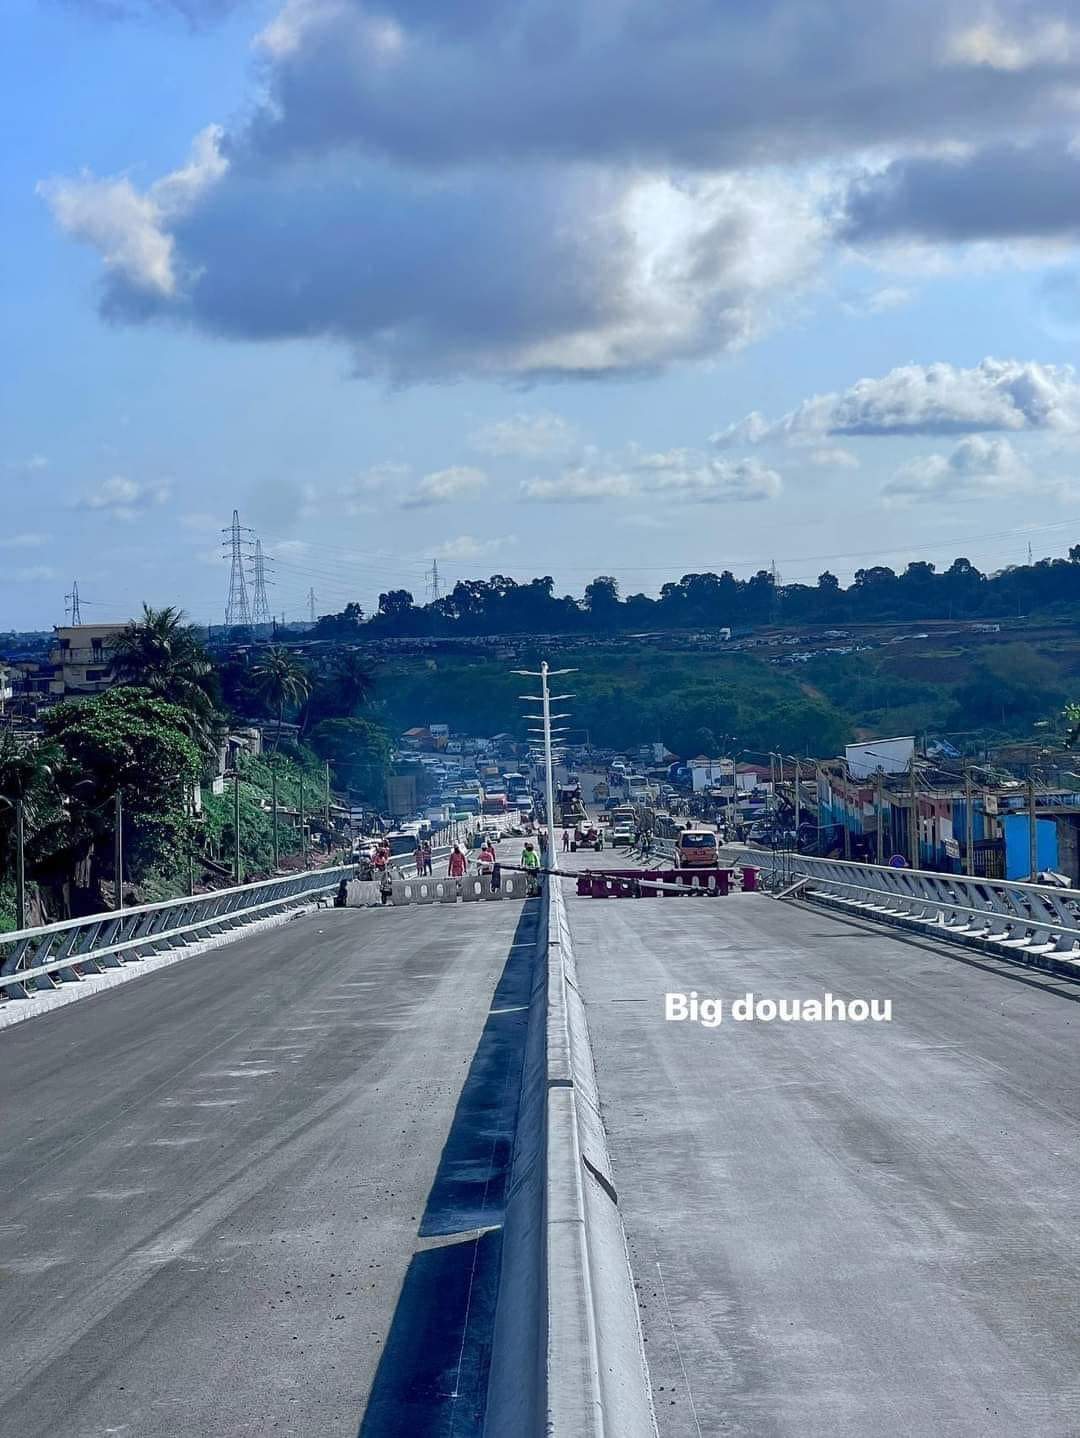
81,657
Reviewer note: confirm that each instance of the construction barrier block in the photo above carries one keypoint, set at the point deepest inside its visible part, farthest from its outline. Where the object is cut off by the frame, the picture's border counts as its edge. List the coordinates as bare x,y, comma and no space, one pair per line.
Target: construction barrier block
750,879
446,891
472,888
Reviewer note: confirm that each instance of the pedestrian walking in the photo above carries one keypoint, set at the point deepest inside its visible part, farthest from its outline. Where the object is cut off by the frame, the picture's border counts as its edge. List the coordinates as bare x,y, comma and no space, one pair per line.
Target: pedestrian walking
566,841
426,853
458,864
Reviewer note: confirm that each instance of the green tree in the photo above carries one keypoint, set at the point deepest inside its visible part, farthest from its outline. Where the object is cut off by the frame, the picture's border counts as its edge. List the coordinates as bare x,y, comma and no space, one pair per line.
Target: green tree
351,682
160,652
28,778
126,741
280,682
358,751
1009,683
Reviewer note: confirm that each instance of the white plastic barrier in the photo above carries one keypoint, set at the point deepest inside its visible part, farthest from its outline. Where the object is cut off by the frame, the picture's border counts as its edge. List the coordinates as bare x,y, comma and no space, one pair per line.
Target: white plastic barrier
473,888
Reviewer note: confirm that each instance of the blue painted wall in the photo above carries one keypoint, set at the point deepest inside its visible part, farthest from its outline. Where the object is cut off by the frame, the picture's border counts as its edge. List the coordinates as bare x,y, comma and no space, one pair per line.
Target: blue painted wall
1015,827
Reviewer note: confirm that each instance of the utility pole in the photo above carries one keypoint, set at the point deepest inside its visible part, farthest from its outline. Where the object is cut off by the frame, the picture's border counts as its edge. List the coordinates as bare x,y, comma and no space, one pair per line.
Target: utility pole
914,854
303,827
1033,833
118,849
189,804
798,799
847,813
274,815
969,823
879,806
328,804
20,866
237,869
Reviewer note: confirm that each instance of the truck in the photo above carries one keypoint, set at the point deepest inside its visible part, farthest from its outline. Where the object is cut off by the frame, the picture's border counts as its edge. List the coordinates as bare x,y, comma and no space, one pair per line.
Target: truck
568,802
494,804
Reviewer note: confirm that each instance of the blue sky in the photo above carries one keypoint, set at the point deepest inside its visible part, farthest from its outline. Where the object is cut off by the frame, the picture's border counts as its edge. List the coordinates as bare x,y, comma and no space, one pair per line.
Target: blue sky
502,285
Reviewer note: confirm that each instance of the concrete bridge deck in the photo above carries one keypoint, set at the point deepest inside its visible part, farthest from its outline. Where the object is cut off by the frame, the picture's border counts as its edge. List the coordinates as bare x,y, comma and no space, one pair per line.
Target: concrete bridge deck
214,1177
839,1229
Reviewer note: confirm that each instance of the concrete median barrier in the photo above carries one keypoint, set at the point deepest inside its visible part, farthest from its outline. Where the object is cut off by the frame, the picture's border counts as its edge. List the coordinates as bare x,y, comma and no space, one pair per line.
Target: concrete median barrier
568,1359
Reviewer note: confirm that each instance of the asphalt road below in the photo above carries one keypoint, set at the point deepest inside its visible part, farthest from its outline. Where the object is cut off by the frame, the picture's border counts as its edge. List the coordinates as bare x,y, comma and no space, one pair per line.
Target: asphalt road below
840,1229
214,1177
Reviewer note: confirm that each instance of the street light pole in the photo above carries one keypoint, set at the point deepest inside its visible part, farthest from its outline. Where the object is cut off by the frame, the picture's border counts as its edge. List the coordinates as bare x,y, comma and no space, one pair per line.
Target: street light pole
303,829
545,696
274,815
969,824
118,849
237,871
189,803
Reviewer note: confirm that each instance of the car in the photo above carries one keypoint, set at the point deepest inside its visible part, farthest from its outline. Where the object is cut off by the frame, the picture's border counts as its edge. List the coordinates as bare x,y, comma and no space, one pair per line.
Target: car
622,836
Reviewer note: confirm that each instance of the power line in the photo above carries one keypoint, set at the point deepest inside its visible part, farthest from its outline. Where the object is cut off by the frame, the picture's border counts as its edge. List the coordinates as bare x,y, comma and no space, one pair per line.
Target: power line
237,609
72,600
432,576
260,607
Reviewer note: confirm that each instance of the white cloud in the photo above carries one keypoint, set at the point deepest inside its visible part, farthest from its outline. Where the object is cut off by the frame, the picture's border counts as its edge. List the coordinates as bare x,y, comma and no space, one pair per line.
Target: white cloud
23,541
130,230
289,549
998,46
201,523
443,486
35,573
977,468
684,474
465,547
578,485
929,399
568,270
124,498
526,435
700,477
877,302
833,457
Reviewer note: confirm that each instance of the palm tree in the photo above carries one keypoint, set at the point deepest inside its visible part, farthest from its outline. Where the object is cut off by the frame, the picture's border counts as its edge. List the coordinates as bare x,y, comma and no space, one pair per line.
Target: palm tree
280,681
160,652
352,681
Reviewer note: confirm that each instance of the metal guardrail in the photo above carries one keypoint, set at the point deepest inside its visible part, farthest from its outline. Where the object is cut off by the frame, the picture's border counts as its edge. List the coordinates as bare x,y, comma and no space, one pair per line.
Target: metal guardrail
35,959
1031,918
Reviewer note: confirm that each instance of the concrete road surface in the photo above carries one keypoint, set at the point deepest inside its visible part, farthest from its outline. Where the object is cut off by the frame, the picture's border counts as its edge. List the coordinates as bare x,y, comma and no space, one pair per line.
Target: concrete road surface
213,1180
838,1229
